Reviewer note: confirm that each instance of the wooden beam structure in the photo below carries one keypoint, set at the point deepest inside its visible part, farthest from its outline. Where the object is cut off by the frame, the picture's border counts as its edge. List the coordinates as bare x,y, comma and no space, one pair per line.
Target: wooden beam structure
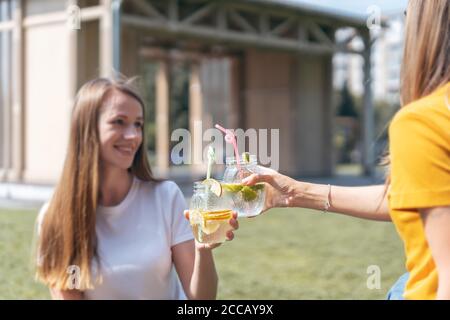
231,22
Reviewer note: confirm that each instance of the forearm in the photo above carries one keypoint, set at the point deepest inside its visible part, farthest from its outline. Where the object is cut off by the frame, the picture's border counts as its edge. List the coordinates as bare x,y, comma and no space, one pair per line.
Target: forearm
204,278
436,222
363,202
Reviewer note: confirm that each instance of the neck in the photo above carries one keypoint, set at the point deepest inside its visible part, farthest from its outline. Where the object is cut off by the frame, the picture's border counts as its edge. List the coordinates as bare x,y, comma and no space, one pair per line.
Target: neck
114,185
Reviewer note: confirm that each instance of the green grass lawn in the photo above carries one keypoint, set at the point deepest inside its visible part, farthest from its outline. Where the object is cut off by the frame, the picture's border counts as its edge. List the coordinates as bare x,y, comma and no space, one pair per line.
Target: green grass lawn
16,272
283,254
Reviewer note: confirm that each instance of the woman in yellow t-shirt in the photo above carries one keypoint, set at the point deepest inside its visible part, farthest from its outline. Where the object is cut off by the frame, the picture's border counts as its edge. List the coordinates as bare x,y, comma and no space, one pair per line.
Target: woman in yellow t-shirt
418,197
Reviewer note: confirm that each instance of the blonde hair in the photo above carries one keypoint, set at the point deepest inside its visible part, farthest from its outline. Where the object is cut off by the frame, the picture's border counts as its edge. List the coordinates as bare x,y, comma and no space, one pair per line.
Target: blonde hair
67,234
426,55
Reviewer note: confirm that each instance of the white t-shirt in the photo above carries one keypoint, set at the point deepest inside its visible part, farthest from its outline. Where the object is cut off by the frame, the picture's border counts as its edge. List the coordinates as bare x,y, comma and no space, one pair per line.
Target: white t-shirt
134,243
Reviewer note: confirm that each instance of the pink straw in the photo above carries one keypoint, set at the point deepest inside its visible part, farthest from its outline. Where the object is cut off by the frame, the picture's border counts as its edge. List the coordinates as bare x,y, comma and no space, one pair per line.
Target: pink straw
231,138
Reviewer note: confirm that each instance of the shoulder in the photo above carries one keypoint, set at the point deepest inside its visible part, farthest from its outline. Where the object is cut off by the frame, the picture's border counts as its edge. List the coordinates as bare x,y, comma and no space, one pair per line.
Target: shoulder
423,119
408,116
429,112
419,135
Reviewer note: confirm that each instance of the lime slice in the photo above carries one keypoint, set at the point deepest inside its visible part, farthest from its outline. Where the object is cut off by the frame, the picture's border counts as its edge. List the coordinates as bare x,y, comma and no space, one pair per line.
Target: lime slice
214,186
246,157
248,194
232,187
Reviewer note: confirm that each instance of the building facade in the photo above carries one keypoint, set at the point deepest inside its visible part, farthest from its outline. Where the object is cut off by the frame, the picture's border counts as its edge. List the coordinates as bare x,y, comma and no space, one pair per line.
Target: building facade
387,54
246,64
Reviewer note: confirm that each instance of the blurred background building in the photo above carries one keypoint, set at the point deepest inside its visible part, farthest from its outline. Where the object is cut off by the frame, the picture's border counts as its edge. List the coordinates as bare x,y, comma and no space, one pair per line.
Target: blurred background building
386,58
386,61
245,64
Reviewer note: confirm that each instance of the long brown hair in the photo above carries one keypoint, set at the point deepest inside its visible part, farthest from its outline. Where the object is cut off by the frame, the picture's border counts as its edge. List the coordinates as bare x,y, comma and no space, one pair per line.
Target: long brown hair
426,55
67,233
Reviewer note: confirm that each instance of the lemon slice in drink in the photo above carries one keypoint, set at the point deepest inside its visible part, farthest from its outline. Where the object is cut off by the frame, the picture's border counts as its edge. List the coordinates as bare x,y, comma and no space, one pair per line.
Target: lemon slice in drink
212,220
219,215
214,186
210,226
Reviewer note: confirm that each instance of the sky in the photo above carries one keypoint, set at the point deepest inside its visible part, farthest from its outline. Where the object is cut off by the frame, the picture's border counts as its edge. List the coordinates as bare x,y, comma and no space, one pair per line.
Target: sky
359,6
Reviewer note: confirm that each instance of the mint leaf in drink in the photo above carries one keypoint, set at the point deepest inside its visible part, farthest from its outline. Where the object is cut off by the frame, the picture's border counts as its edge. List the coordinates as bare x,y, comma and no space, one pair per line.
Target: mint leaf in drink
248,194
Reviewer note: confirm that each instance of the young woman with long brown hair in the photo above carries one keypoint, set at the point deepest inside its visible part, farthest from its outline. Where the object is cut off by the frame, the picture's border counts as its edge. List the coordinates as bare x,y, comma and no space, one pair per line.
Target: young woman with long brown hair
111,230
416,196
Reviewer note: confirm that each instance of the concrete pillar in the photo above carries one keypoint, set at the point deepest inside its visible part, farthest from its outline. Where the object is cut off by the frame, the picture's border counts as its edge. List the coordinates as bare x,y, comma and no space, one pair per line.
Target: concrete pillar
162,118
368,151
195,115
5,96
17,96
329,152
72,67
106,40
116,34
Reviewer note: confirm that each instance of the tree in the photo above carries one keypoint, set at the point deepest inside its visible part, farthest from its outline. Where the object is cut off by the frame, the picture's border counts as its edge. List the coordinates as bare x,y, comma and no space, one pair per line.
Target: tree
347,128
346,107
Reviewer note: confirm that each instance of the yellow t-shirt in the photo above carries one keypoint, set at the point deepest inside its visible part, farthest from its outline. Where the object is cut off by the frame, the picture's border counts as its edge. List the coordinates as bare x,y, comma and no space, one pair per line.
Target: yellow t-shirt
420,178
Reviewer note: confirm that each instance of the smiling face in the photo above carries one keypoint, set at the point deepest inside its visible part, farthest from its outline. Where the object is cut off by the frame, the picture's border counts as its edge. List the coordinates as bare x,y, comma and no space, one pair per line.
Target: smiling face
120,129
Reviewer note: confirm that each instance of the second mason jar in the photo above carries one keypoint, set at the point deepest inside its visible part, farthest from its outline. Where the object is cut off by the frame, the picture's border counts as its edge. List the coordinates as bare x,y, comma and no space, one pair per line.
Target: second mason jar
209,215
